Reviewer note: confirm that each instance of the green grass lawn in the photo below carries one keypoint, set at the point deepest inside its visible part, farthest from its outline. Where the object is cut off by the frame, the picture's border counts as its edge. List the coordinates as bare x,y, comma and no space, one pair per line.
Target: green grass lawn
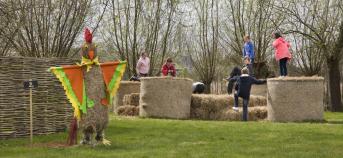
135,137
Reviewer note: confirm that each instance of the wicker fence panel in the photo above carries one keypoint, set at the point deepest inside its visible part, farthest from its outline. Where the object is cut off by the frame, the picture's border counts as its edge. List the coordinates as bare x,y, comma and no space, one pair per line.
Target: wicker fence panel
51,110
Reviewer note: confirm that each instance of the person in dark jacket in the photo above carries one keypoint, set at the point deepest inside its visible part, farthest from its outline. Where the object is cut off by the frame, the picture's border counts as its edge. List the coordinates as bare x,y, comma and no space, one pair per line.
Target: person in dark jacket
244,83
236,71
198,88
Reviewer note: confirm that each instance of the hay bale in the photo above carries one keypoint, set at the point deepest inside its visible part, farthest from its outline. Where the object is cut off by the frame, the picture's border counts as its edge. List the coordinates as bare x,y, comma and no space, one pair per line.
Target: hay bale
213,107
128,110
165,97
259,90
254,114
131,99
209,107
295,99
126,87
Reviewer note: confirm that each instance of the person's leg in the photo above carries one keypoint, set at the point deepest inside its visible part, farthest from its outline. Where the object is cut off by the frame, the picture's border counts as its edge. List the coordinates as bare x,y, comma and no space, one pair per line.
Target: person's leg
251,71
236,100
145,75
251,67
285,67
283,62
281,68
245,109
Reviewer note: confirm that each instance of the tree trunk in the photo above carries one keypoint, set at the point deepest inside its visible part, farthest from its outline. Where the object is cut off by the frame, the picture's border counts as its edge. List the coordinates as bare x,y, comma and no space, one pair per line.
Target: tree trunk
334,83
207,87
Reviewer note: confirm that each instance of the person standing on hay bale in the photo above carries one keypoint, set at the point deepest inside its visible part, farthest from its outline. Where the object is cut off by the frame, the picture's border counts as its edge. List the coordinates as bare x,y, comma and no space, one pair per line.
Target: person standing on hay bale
143,65
244,83
282,53
168,68
198,88
90,87
248,51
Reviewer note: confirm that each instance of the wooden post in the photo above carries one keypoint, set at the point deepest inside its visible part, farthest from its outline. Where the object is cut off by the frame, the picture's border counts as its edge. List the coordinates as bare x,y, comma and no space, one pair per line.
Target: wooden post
31,119
30,85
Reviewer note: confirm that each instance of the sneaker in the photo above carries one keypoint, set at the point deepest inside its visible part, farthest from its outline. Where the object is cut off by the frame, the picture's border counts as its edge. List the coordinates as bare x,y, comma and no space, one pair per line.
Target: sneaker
281,77
235,108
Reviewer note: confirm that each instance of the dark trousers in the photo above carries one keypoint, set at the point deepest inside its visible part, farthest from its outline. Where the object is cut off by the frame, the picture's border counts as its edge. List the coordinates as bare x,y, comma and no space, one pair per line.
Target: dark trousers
283,66
251,65
245,106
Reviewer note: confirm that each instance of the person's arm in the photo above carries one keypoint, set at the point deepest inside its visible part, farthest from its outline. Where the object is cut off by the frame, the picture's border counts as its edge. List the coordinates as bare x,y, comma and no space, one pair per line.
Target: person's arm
138,66
243,51
233,79
230,87
173,70
256,81
276,43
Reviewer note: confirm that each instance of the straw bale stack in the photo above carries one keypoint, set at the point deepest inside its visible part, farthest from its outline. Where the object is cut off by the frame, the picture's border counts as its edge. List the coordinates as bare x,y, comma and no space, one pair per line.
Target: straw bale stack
215,107
131,99
126,87
254,114
128,110
259,89
165,97
295,99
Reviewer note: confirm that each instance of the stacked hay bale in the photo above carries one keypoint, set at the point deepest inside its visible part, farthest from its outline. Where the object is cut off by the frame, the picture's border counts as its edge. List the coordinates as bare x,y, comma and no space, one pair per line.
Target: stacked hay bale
259,89
131,99
254,114
165,97
126,87
219,107
131,105
295,99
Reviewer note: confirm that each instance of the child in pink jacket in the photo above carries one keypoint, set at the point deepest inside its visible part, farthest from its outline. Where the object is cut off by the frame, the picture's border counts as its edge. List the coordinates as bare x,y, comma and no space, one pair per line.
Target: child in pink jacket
282,53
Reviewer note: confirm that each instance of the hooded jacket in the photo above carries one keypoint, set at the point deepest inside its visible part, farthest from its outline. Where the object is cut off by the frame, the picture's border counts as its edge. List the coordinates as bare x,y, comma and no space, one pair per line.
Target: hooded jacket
281,49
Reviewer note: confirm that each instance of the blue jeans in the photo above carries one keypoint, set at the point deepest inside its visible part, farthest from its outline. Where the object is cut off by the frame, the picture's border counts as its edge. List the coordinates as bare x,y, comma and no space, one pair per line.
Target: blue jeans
283,66
245,106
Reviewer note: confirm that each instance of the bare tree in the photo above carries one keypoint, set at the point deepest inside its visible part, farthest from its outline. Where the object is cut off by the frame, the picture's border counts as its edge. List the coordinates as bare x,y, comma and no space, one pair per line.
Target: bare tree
254,18
141,26
6,34
323,23
46,28
308,56
205,53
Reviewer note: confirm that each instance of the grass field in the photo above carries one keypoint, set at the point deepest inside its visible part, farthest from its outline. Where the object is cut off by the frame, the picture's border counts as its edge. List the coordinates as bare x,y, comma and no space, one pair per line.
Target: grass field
135,137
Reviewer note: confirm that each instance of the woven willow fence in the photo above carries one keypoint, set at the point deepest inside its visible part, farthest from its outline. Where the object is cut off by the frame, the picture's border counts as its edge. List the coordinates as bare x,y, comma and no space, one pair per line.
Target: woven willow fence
51,109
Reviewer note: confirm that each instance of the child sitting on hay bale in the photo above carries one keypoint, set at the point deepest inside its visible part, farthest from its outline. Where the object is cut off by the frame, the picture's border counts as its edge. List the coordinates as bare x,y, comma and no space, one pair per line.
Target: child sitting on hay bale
244,83
168,68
